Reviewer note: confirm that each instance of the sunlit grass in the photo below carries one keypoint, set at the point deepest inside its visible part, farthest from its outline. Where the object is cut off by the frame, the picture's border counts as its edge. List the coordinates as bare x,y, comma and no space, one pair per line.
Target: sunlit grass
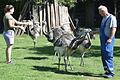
39,63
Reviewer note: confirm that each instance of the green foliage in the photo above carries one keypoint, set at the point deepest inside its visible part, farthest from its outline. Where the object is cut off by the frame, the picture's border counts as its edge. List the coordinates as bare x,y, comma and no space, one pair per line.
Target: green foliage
69,3
38,2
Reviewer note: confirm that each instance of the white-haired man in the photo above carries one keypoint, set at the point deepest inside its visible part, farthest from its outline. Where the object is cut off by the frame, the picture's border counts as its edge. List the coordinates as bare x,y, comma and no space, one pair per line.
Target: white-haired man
107,38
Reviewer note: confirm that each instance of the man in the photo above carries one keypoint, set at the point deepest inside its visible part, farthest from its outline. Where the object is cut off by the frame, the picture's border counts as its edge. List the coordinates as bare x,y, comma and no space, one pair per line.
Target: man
107,38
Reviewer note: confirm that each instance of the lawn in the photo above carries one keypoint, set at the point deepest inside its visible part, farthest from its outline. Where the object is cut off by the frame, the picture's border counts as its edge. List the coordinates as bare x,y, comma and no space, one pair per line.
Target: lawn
40,64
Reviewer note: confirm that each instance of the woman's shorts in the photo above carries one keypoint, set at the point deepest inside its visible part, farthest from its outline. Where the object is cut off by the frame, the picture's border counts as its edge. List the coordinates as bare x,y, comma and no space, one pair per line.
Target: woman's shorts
9,37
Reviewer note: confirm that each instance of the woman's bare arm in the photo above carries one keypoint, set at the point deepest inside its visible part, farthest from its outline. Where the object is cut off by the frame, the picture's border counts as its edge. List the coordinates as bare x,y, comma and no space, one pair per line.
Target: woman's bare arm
11,25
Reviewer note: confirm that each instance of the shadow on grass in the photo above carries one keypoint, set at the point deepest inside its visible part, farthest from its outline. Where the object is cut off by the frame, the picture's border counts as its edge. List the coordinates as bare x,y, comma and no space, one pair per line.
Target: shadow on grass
93,52
49,50
55,70
59,64
46,50
20,48
36,58
44,68
80,73
96,52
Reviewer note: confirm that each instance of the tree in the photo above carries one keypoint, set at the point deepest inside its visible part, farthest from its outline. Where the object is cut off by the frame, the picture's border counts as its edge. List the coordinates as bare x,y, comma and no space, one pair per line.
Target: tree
69,3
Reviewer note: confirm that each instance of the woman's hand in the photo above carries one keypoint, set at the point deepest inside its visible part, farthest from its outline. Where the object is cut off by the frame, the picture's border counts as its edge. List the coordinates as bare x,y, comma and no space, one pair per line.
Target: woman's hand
21,27
30,23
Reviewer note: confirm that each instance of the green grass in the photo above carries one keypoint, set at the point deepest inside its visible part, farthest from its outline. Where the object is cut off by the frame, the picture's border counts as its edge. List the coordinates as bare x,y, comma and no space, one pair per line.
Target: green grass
40,64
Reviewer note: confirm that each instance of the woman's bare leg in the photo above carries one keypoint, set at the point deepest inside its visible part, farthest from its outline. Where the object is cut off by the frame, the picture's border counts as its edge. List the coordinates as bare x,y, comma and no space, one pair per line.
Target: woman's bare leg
8,53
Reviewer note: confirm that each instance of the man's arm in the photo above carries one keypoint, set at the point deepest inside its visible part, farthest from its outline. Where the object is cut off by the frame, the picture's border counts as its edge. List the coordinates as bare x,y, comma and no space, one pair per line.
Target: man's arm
112,35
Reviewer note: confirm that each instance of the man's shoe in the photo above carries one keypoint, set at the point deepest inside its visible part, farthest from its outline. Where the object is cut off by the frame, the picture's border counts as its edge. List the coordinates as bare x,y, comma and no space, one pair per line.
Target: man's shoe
107,76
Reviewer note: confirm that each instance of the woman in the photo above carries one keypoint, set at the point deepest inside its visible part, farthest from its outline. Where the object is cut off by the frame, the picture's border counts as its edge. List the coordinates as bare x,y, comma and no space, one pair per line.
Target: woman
9,24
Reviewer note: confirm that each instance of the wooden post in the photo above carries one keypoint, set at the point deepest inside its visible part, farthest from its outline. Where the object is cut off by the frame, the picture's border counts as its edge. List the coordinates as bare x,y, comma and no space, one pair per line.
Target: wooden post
48,16
35,13
52,16
56,13
23,12
44,17
72,24
21,17
25,26
40,19
60,15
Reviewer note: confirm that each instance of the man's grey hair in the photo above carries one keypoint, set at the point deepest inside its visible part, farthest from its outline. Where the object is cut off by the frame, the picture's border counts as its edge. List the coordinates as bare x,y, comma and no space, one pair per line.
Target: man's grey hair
103,8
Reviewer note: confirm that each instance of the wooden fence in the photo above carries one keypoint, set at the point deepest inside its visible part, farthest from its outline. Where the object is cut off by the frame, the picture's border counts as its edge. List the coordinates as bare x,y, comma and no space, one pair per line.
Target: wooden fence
54,14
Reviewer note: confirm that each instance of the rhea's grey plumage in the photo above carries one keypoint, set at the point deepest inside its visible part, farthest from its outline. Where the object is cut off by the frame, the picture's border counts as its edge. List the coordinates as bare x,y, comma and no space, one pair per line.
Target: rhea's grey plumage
66,43
34,30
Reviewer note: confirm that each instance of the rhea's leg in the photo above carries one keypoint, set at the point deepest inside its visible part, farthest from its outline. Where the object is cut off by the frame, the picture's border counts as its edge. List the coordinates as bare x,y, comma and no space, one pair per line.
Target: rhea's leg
35,41
65,61
82,60
59,59
69,62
